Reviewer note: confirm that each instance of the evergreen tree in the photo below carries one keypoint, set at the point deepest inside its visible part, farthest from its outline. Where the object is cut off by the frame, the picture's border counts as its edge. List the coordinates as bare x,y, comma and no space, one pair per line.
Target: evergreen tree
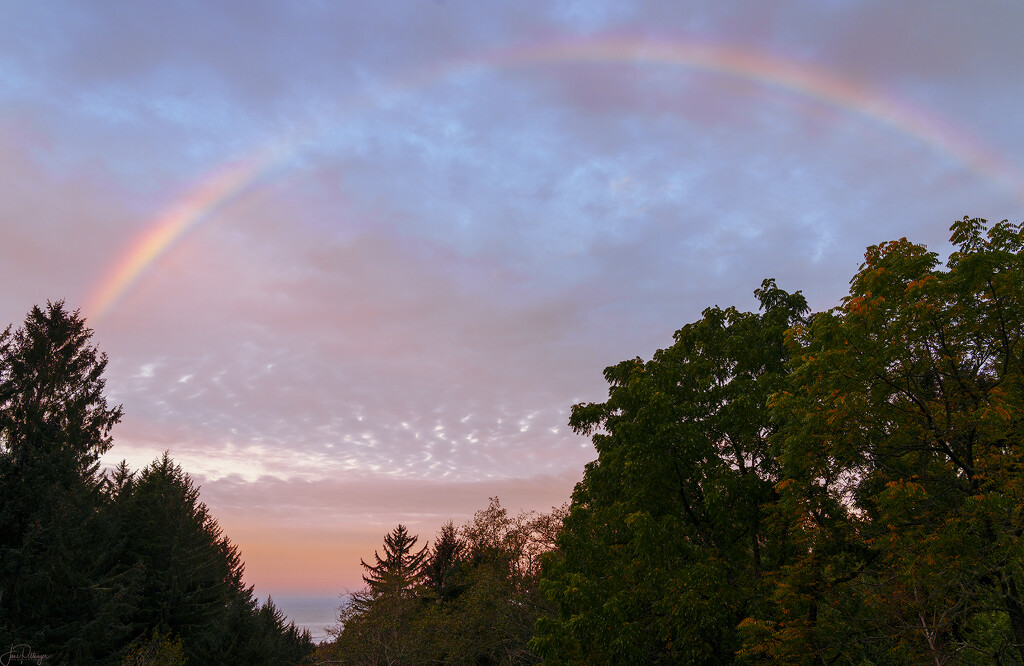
478,605
400,569
442,570
191,571
192,587
56,592
103,568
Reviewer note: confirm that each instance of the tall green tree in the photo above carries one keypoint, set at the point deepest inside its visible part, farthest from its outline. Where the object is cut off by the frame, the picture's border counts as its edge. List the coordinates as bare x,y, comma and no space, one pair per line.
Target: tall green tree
667,539
191,583
56,593
444,570
904,461
495,615
192,573
101,568
381,624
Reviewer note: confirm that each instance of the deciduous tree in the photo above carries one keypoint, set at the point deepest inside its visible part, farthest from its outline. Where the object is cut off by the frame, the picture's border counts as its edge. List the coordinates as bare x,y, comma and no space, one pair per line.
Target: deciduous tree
478,605
666,542
903,456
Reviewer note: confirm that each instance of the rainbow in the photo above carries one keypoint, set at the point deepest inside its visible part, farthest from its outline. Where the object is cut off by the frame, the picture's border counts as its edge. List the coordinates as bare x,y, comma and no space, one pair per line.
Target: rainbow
230,180
160,234
786,75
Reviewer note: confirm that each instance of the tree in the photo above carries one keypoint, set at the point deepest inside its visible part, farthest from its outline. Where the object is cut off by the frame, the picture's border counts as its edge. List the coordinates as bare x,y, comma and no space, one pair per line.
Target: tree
478,603
677,501
400,569
903,457
441,571
51,392
192,573
99,568
380,625
377,630
512,545
494,616
259,634
55,591
191,584
159,650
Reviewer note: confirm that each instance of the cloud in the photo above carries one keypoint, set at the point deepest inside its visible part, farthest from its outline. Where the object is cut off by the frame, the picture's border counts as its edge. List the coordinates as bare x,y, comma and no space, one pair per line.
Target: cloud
396,317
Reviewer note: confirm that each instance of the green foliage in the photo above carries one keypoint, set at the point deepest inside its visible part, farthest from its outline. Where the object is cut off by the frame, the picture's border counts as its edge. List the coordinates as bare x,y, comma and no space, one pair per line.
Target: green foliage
843,488
678,499
191,575
477,605
847,491
159,650
258,634
56,591
444,570
904,461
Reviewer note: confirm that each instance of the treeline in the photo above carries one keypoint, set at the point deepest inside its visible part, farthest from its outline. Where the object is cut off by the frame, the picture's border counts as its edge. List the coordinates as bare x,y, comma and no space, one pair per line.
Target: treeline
117,568
841,487
470,598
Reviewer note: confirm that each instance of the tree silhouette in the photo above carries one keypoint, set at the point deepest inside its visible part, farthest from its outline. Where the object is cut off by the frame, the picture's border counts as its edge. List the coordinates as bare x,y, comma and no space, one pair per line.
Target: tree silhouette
442,568
96,568
55,589
400,569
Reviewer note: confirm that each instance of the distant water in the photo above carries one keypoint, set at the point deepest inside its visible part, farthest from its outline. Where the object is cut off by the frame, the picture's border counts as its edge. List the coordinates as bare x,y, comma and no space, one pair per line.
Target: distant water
313,613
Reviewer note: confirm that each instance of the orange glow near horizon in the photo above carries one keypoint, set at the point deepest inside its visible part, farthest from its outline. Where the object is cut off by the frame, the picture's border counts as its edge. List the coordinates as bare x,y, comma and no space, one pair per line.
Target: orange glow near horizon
308,560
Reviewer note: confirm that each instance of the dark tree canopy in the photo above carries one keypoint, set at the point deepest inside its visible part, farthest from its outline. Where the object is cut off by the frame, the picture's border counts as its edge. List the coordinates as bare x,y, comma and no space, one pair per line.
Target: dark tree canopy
845,487
842,488
477,604
192,573
108,568
55,589
903,459
445,566
678,499
51,390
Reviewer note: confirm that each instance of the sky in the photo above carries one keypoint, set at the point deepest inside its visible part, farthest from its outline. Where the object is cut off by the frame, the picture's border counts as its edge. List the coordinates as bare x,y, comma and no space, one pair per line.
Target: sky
353,263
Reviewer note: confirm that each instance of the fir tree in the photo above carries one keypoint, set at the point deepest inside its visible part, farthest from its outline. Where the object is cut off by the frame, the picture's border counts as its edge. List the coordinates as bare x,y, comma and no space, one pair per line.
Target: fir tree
400,569
56,592
441,570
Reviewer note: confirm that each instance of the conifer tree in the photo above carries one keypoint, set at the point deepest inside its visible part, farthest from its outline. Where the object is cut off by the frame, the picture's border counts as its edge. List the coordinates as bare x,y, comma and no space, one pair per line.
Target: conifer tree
400,569
441,570
103,568
56,593
188,577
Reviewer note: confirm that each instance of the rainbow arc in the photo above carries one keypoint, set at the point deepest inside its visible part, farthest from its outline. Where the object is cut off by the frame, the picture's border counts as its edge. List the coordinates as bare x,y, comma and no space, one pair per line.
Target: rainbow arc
790,77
